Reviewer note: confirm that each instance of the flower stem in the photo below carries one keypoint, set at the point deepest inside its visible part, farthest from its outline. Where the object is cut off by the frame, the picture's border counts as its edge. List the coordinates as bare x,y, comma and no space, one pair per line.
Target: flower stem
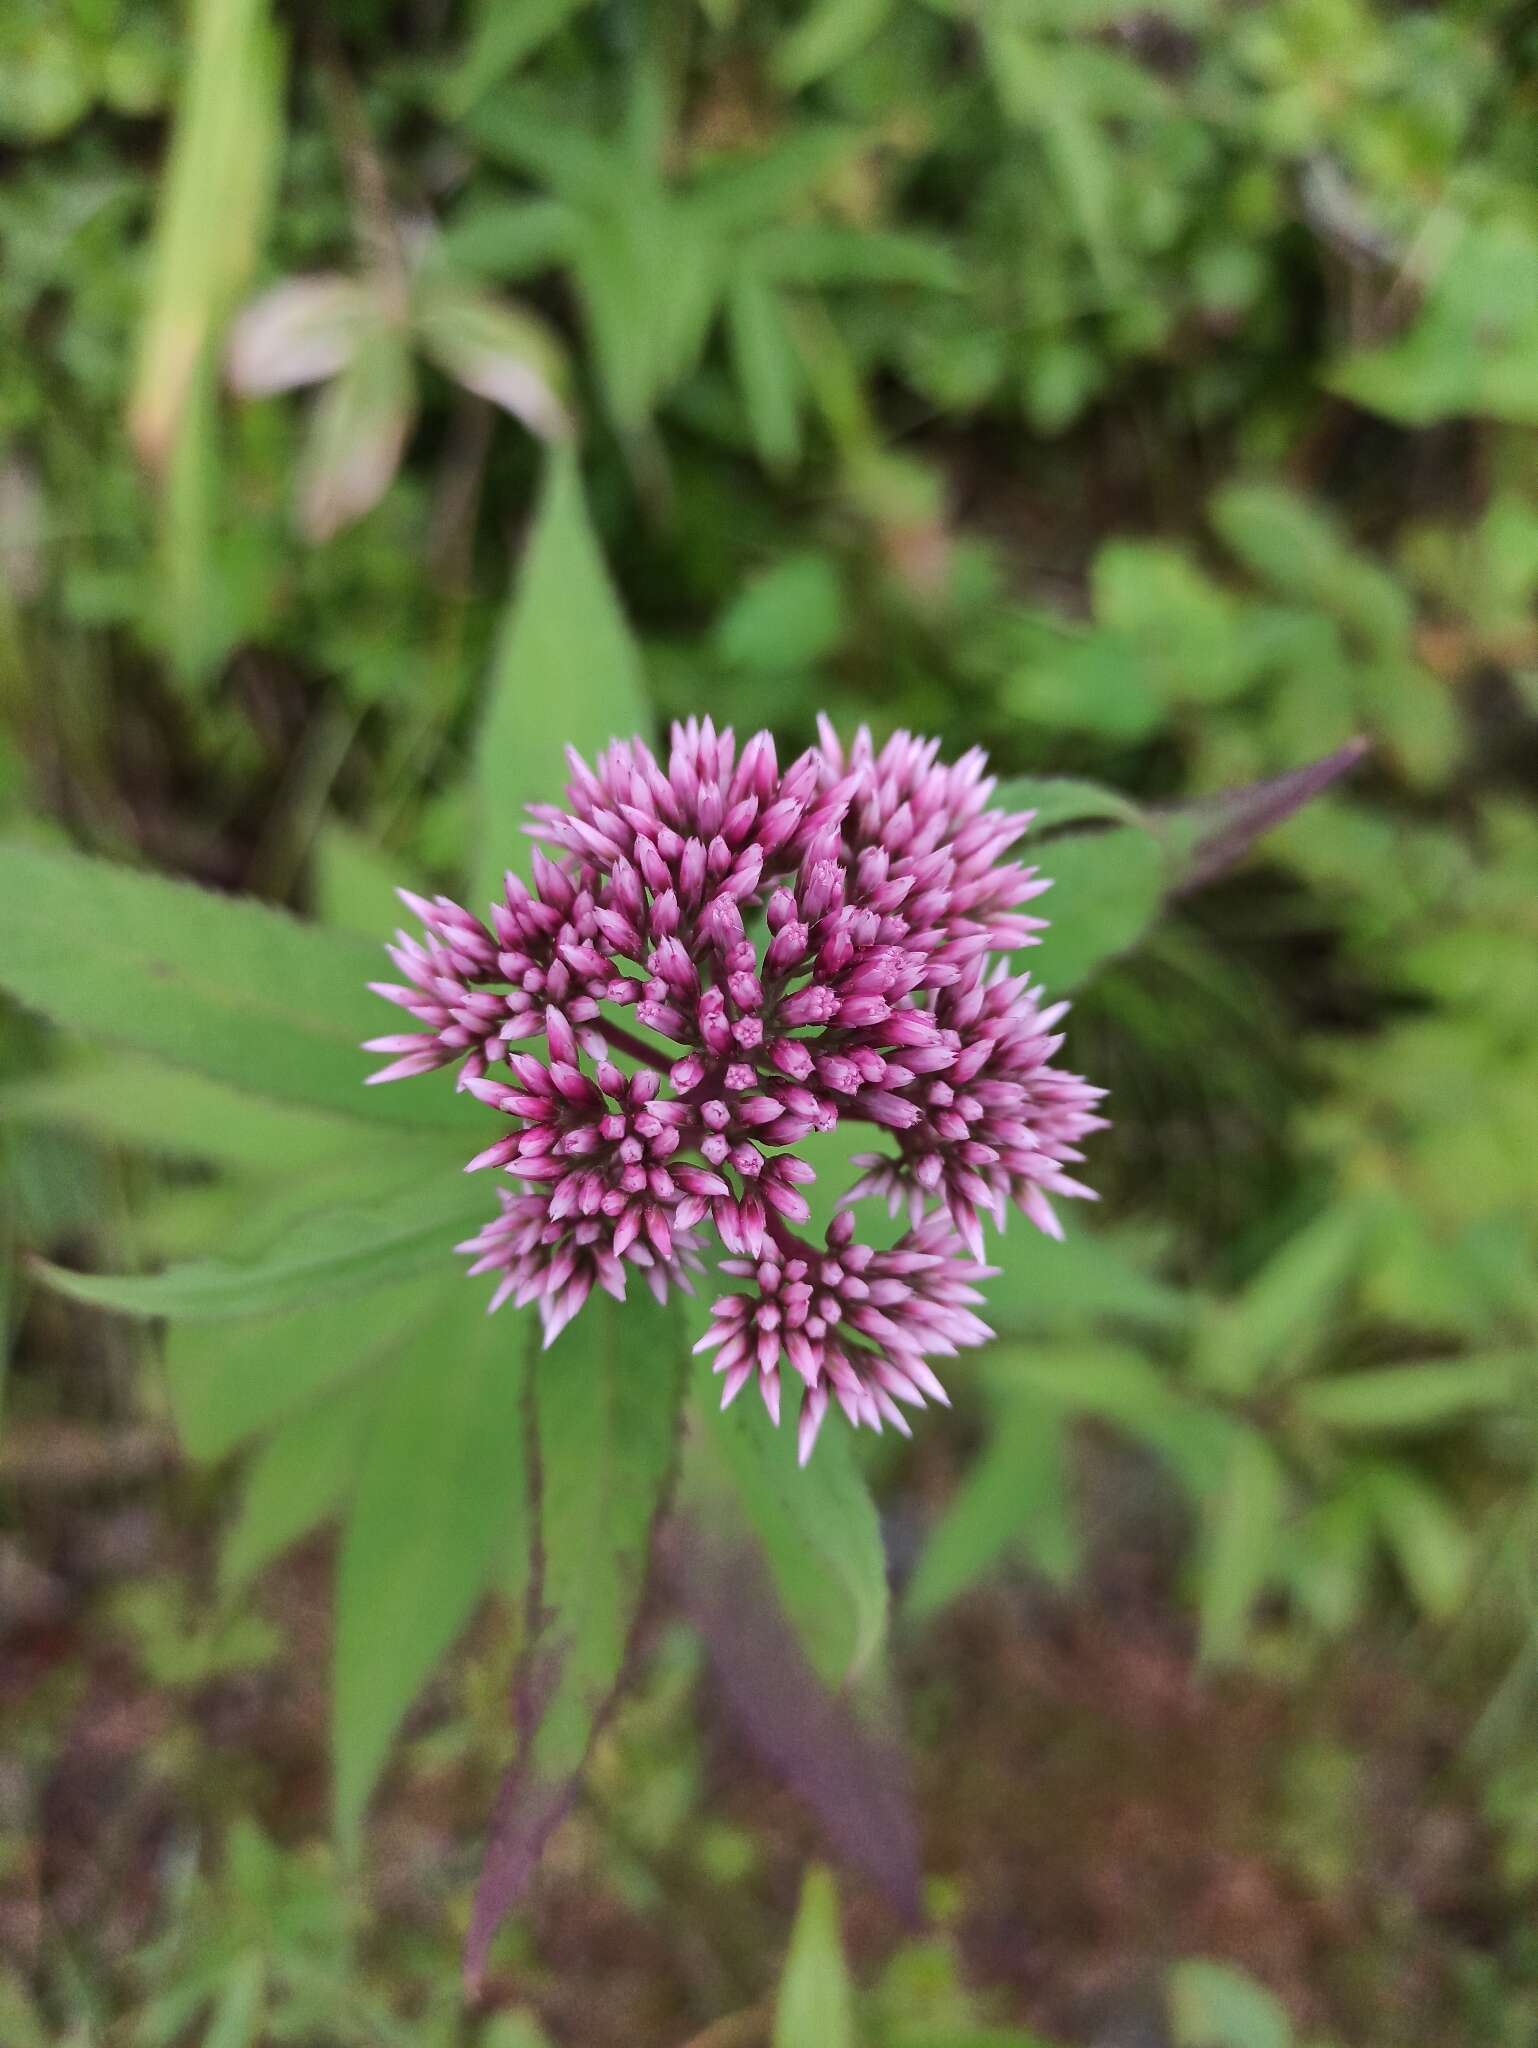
621,1040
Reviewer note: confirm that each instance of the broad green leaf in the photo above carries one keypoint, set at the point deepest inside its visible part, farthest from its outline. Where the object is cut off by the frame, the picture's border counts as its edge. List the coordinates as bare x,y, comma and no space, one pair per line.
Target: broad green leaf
1015,1494
1214,2005
606,1407
1430,1395
817,1524
1056,800
171,1112
357,431
343,1252
566,673
1106,891
436,1513
224,985
212,209
355,881
816,1999
1299,551
1241,1532
299,1478
1431,1546
228,1381
790,616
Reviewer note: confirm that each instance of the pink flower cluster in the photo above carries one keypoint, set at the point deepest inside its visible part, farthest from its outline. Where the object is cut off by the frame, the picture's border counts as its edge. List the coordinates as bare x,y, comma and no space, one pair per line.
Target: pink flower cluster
794,948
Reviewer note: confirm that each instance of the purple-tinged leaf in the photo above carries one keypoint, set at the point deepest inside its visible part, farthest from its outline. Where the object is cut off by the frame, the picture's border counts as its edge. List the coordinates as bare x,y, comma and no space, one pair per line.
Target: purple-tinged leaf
356,435
1209,836
499,351
816,1742
301,332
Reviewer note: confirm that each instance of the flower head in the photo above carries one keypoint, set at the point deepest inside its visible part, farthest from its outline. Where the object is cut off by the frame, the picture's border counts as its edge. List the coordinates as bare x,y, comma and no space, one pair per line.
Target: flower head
723,958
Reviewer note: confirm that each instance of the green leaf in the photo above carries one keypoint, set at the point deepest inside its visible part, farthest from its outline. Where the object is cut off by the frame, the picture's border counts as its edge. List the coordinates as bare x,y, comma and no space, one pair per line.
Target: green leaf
1089,1278
1213,2005
1016,1493
1057,800
1242,1525
355,881
606,1405
342,1252
818,1527
1300,552
790,616
1106,891
1431,1395
229,1381
213,207
1285,1313
435,1516
830,32
143,1104
768,369
299,1478
816,1999
1430,1544
504,34
224,985
566,673
826,254
238,2013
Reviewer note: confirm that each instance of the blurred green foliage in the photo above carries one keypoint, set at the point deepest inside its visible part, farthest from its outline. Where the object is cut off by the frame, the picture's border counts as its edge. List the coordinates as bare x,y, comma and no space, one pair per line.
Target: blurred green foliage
1145,393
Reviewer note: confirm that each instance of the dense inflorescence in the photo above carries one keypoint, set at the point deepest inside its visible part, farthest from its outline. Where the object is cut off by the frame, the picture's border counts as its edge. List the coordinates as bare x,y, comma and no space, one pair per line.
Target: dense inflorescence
722,959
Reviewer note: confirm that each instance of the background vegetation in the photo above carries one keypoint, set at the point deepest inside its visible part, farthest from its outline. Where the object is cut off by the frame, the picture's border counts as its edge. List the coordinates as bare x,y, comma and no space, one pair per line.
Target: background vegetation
388,394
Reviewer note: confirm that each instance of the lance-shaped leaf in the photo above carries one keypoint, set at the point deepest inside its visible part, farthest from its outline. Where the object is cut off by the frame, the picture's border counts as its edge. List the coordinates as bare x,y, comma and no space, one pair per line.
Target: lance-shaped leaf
817,1527
605,1415
339,1252
356,434
302,1476
231,1380
566,672
437,1512
227,986
1111,878
212,208
499,351
301,332
835,1749
1211,835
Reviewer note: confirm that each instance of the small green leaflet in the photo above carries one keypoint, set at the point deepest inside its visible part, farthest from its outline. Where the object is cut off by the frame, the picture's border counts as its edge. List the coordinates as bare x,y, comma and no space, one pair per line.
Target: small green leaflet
1213,2005
816,2001
226,986
566,672
605,1409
